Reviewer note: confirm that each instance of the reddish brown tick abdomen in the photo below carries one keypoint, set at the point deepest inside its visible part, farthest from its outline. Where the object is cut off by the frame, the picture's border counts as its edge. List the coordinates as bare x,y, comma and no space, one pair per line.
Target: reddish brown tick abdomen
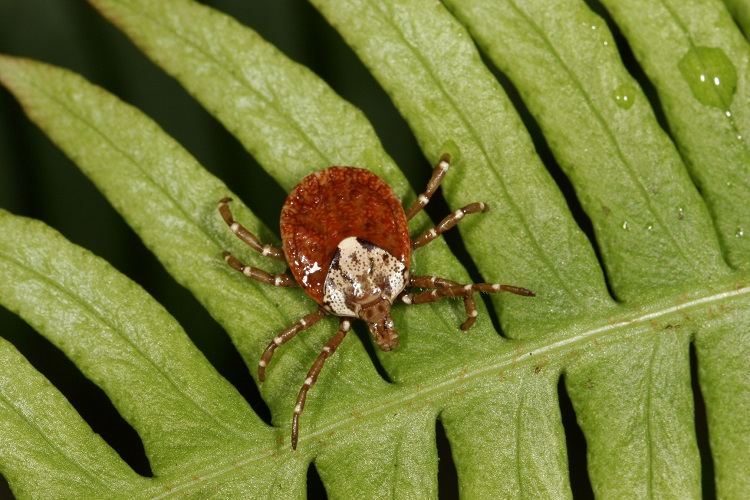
331,205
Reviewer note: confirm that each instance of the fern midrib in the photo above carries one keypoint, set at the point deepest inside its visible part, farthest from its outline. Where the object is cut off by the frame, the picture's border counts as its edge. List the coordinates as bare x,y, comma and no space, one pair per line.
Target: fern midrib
535,352
611,324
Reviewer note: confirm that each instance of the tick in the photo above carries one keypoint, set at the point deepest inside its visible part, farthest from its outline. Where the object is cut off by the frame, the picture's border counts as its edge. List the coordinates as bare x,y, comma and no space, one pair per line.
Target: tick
347,244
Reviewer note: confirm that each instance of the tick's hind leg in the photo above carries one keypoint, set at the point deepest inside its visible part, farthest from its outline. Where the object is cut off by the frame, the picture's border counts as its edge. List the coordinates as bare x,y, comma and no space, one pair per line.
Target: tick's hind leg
245,235
251,240
259,274
437,177
447,288
438,173
344,326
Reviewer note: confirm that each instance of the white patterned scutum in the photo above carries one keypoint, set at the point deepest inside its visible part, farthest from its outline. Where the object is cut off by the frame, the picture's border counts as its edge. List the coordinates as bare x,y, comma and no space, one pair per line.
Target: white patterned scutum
361,270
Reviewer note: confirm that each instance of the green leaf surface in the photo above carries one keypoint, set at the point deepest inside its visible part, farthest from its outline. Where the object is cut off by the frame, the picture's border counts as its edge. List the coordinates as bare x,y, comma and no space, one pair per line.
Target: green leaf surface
188,417
625,366
700,70
290,139
429,66
52,452
740,10
651,224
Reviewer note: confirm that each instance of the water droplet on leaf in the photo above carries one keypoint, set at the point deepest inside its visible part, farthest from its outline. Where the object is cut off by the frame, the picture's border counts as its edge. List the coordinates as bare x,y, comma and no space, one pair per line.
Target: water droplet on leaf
624,95
710,75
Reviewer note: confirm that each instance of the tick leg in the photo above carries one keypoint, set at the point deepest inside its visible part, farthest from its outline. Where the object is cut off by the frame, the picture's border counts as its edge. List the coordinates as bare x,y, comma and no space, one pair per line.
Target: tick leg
437,177
245,235
259,274
285,337
448,223
434,282
344,326
446,289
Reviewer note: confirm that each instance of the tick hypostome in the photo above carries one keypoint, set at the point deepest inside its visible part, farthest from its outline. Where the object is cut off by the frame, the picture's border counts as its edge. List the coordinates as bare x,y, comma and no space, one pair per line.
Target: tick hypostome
346,241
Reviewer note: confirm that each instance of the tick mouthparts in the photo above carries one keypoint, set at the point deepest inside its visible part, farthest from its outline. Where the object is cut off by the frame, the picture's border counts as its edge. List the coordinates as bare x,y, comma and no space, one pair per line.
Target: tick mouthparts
374,308
346,241
384,332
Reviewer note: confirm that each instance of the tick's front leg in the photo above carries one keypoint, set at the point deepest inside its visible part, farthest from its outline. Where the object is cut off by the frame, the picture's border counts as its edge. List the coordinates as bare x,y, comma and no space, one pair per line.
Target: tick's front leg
434,282
285,337
344,326
448,288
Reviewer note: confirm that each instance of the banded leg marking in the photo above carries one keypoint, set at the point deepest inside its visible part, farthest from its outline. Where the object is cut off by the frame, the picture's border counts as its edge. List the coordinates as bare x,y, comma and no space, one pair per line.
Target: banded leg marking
344,326
448,223
245,235
259,274
448,288
438,173
470,305
284,337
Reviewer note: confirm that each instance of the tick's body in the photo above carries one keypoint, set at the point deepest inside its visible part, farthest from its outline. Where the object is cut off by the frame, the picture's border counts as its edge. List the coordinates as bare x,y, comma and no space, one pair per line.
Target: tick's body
346,241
